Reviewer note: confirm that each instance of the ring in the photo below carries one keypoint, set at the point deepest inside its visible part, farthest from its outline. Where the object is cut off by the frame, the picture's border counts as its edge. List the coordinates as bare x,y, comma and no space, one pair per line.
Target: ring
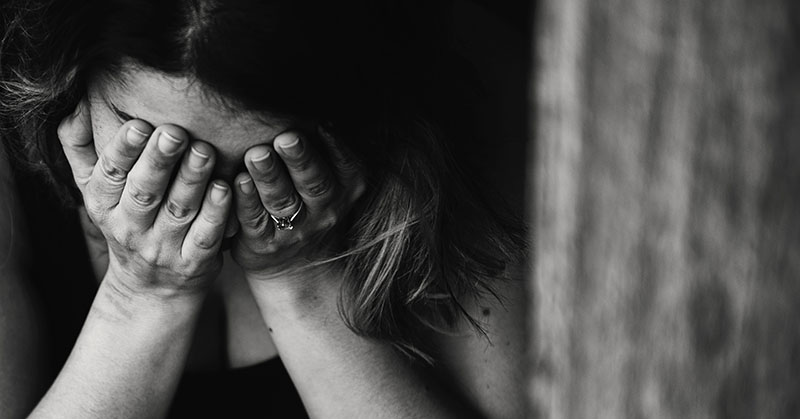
285,223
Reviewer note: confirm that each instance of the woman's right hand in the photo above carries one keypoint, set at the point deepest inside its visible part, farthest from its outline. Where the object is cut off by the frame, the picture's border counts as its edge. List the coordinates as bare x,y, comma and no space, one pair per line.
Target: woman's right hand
164,237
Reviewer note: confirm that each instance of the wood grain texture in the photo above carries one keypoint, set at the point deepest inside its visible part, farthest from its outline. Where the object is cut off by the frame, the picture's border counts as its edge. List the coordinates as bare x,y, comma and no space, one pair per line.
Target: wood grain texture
666,211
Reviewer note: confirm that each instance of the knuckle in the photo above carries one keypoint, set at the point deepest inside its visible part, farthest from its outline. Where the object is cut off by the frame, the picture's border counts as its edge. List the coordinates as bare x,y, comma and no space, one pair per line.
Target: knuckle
82,179
327,219
192,179
212,219
269,177
92,210
327,223
177,211
111,171
348,166
125,240
150,254
141,197
302,163
96,209
159,162
190,265
91,215
298,238
245,206
283,203
204,241
255,220
318,187
195,267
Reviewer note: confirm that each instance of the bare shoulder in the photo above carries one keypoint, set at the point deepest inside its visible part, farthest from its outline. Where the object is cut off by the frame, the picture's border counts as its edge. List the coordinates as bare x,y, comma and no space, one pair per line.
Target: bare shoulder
489,369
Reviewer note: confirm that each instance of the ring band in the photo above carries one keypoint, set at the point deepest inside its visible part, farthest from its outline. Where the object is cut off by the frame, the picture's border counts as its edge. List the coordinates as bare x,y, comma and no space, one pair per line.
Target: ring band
285,223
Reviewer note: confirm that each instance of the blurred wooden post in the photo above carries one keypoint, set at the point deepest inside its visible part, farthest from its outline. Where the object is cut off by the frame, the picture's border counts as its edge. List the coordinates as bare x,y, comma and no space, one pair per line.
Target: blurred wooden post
666,209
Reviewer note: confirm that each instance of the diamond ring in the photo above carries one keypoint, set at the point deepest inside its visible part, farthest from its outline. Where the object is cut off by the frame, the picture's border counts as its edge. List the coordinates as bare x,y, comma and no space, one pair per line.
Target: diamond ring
285,223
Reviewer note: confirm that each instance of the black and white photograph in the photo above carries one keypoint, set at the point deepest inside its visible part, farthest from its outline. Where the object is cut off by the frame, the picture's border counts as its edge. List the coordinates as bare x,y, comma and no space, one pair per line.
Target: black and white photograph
386,209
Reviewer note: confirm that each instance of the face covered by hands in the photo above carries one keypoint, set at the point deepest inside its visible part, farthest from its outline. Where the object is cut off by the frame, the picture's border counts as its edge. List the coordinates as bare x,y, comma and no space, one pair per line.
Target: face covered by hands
151,194
163,237
289,201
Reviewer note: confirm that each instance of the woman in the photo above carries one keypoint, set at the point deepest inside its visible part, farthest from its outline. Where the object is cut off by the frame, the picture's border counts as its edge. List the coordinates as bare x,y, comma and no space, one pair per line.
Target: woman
295,159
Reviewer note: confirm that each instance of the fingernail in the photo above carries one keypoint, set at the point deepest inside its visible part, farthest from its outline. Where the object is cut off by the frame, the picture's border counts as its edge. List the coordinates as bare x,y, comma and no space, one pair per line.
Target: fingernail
167,143
197,159
137,136
218,192
247,186
262,162
292,147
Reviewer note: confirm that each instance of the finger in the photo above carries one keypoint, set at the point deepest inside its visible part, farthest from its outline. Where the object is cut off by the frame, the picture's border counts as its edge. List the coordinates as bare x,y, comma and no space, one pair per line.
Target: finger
150,176
113,165
312,178
274,186
185,195
345,164
75,134
205,234
254,221
232,227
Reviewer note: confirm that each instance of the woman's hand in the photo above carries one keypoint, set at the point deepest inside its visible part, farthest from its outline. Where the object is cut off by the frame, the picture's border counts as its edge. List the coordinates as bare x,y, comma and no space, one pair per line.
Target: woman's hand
289,203
164,237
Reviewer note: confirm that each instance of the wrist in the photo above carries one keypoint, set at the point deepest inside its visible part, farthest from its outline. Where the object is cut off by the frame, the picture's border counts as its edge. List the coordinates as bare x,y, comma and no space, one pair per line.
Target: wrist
118,300
154,289
129,355
294,295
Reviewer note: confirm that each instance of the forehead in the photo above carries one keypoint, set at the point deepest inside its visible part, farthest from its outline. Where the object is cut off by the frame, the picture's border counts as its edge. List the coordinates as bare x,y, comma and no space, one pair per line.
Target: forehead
159,99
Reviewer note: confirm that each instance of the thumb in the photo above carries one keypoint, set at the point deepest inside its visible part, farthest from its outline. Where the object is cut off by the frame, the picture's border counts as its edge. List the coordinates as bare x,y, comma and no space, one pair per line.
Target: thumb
75,134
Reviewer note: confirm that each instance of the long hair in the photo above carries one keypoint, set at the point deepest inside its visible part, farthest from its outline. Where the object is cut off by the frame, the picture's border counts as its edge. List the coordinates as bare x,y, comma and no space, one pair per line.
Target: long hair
380,75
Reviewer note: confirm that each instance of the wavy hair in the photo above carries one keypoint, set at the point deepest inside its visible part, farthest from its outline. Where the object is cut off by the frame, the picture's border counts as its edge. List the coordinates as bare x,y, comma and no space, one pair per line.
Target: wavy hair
379,74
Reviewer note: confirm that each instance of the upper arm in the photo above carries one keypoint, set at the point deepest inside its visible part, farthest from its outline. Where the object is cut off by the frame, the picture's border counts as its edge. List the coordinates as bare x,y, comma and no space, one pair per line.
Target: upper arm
489,370
21,369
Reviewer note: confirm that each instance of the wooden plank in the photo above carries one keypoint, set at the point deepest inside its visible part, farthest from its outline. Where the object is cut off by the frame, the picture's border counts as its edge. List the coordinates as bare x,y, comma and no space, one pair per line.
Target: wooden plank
666,211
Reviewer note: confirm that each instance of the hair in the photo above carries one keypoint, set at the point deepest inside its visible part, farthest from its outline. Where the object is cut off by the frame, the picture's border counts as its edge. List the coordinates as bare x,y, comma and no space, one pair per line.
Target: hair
379,75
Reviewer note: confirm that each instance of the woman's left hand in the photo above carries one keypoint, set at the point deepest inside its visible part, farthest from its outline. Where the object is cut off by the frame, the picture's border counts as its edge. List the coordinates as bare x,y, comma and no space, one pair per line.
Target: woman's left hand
289,203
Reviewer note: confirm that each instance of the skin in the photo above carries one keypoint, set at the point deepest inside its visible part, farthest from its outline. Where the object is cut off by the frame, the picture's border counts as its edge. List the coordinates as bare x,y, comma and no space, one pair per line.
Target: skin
164,252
